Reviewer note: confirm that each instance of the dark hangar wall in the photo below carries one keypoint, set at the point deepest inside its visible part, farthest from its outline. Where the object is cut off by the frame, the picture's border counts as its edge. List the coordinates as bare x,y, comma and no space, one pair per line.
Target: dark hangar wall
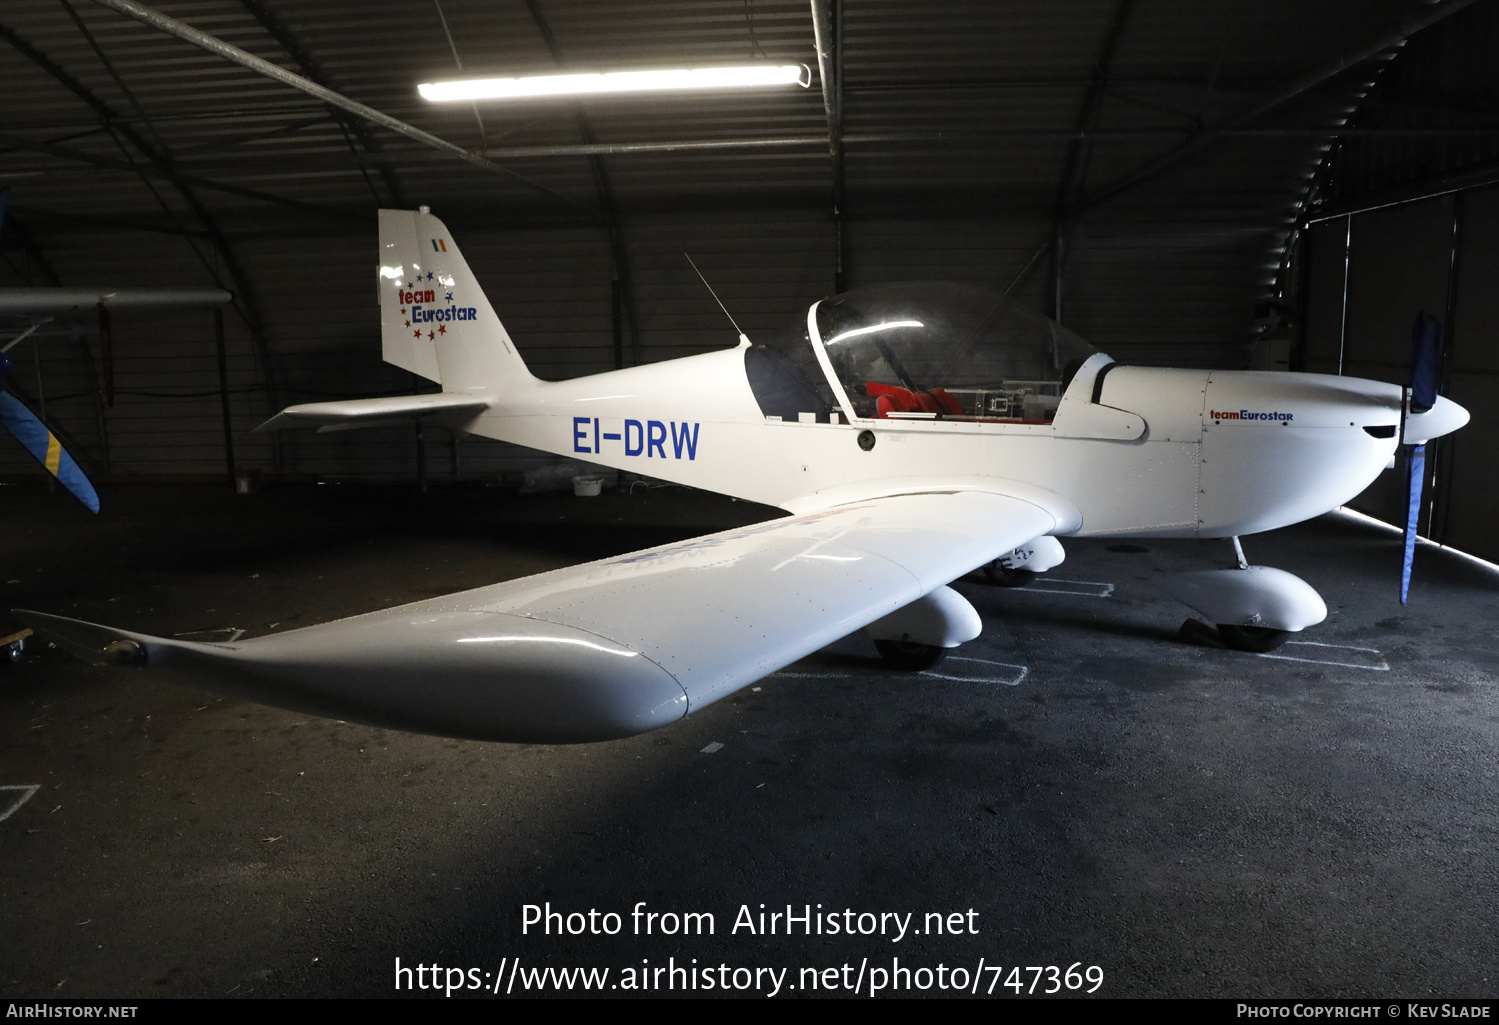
971,132
1410,223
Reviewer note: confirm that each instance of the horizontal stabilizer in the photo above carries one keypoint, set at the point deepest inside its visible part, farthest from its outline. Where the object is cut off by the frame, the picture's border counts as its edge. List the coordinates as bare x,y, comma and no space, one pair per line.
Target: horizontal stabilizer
351,413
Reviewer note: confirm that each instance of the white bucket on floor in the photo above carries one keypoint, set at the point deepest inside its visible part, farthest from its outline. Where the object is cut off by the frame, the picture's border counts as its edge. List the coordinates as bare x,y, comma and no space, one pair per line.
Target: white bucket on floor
587,487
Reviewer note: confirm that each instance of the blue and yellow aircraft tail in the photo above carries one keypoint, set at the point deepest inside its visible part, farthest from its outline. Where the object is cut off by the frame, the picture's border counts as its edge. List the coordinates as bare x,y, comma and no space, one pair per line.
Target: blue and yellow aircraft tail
44,447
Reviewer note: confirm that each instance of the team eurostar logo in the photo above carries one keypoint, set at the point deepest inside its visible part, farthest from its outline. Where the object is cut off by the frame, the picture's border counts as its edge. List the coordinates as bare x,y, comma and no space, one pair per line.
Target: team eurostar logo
1249,414
419,303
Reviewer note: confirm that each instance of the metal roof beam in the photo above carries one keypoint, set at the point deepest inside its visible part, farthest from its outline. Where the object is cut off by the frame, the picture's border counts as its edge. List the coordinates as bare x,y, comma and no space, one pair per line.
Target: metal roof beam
1426,16
313,161
216,46
825,39
154,170
1075,170
160,166
602,187
827,36
111,121
313,70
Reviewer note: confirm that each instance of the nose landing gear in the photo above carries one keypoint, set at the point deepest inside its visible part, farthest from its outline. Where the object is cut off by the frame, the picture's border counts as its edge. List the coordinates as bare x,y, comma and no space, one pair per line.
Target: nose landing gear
1255,607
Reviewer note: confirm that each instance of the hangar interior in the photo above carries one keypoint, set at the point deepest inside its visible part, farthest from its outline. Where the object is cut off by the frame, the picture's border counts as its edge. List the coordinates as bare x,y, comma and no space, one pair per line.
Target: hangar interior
1226,185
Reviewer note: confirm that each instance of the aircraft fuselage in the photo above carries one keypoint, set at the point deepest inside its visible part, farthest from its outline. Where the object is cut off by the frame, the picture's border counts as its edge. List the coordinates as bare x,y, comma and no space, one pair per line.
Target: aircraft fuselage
1164,453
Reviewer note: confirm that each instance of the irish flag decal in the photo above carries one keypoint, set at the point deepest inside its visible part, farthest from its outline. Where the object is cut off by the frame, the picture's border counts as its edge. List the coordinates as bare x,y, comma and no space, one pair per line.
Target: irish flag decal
439,245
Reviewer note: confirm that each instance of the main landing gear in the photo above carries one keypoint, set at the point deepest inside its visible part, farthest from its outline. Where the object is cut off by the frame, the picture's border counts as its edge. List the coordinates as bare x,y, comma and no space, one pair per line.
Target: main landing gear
1019,567
917,636
909,656
1002,576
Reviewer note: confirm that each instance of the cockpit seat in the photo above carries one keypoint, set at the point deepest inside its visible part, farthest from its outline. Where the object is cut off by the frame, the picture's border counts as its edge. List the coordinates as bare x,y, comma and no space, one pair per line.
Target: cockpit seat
890,398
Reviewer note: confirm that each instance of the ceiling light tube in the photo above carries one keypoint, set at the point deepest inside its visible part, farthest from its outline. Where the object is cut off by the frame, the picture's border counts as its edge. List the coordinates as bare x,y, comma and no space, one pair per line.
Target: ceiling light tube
743,77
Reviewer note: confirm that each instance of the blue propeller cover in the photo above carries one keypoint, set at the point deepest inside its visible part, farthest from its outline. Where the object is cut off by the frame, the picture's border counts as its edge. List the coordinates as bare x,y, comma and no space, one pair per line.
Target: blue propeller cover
1426,358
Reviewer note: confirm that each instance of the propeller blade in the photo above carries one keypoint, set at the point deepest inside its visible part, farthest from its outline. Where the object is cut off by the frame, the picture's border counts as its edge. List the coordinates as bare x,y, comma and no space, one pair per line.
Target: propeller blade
44,447
1417,470
1426,361
1421,396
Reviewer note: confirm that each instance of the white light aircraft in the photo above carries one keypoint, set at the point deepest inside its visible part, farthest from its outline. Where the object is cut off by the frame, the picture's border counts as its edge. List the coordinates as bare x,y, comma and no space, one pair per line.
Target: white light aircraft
913,433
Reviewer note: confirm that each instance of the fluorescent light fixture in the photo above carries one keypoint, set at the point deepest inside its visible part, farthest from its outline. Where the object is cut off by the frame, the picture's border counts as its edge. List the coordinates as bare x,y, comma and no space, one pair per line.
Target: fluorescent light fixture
888,325
743,77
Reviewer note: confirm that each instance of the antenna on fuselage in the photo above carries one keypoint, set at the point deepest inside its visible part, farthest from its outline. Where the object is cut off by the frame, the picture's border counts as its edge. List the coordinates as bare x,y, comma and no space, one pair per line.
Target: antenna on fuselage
743,338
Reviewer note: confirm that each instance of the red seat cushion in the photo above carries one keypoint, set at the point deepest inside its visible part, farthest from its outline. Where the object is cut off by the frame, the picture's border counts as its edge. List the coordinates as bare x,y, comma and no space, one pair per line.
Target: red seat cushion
893,399
949,404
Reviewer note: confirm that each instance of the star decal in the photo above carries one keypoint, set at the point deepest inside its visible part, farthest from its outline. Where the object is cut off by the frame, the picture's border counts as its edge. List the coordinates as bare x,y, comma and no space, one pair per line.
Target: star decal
430,335
408,323
429,275
450,299
442,329
403,313
416,334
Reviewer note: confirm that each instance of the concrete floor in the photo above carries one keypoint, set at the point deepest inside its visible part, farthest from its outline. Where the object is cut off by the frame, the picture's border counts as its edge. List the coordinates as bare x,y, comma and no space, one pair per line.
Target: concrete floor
1194,821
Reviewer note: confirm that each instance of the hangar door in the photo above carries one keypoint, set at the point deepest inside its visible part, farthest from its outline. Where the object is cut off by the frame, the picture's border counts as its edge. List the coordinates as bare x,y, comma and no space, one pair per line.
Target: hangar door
1370,273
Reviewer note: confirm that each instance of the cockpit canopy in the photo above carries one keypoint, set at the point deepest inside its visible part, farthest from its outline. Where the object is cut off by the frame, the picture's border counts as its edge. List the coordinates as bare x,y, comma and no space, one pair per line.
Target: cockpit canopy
920,351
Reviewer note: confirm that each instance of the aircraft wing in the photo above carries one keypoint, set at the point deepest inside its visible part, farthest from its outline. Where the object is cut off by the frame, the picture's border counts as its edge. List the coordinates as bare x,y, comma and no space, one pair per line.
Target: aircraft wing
609,648
348,414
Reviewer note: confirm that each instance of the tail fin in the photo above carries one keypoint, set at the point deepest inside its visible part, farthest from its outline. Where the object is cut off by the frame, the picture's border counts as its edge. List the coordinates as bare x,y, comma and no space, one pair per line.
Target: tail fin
434,318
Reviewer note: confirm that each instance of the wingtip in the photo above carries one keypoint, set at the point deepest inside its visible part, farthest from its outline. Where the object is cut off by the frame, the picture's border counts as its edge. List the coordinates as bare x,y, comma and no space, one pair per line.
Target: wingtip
92,642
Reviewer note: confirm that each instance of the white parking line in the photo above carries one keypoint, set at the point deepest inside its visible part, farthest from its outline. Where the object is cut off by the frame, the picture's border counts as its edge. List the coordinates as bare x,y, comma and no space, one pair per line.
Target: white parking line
1382,667
989,674
27,790
1054,585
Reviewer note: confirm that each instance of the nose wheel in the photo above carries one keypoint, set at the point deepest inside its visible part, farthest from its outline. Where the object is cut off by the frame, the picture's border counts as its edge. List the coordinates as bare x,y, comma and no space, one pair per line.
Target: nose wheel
909,656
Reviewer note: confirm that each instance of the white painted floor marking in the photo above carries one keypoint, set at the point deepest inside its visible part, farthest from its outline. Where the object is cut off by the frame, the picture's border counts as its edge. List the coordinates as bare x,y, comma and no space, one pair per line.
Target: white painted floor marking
983,671
712,748
1382,667
1054,585
26,790
785,674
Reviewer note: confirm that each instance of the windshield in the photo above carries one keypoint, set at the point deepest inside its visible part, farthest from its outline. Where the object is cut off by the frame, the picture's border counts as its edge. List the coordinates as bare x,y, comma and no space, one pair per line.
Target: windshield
787,381
938,351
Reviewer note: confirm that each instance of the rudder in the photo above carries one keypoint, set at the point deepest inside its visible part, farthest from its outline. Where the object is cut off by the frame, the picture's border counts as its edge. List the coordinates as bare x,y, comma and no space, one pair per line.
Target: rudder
435,320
